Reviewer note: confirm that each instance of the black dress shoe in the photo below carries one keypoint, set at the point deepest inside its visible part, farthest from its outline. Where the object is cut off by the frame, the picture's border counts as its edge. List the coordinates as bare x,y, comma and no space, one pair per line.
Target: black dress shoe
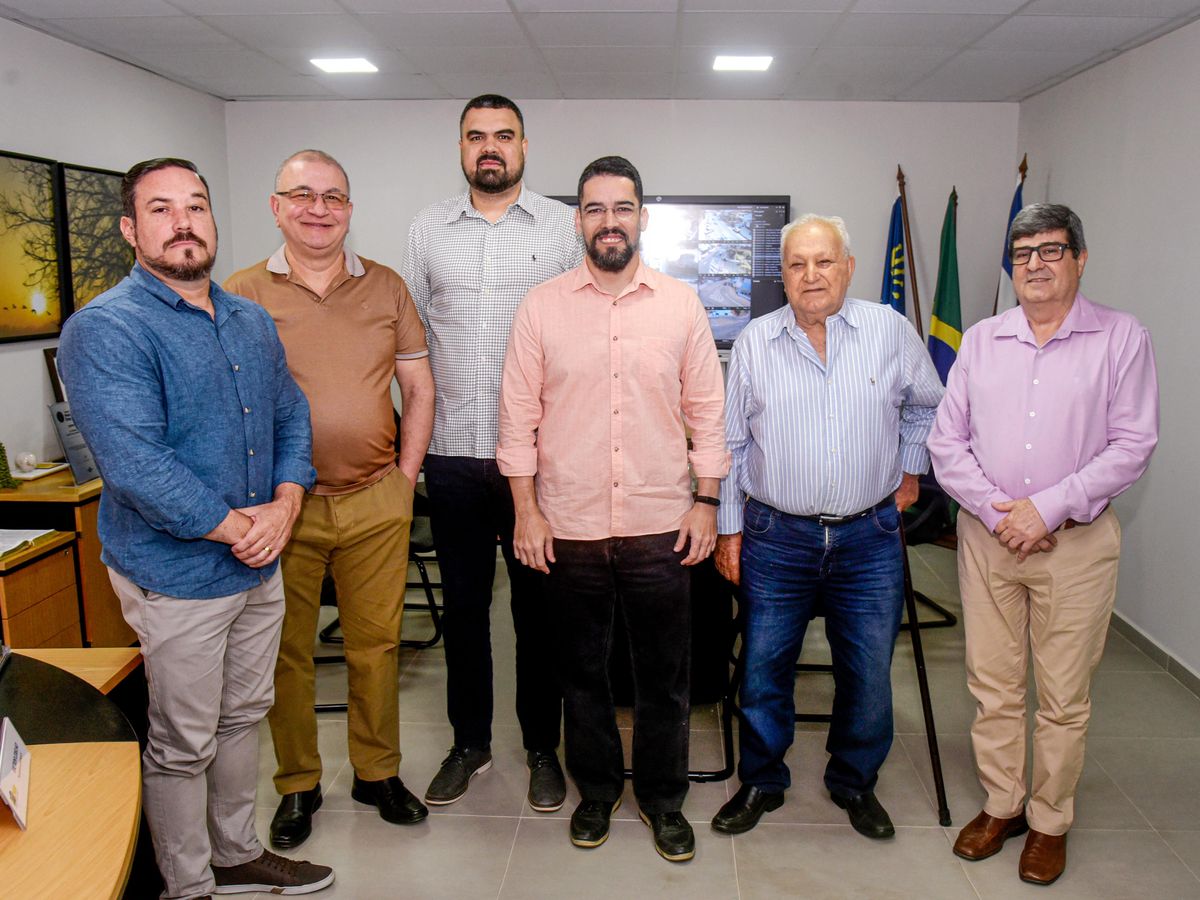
589,822
292,823
547,786
745,808
866,814
673,837
396,803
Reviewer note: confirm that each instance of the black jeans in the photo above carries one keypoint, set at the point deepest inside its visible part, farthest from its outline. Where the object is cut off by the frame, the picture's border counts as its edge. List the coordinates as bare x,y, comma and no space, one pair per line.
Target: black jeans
642,579
470,504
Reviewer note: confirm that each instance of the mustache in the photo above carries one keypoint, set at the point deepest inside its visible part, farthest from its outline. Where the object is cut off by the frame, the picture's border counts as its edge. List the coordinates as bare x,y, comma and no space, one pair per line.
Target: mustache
489,157
603,233
186,236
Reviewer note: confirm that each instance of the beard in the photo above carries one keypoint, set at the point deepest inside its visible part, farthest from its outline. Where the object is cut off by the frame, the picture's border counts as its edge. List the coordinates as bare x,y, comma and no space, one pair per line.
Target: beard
494,181
611,259
194,267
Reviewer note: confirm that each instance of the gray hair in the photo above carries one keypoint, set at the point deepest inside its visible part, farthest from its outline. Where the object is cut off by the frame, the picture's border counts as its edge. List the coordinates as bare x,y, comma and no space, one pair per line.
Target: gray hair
836,224
311,156
1039,217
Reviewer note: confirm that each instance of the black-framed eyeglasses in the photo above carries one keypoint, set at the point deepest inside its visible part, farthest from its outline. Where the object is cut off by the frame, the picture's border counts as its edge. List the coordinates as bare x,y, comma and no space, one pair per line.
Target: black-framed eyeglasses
305,197
1051,251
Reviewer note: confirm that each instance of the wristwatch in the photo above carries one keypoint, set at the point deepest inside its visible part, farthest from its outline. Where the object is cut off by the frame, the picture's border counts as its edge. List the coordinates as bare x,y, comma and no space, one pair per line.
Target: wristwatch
711,501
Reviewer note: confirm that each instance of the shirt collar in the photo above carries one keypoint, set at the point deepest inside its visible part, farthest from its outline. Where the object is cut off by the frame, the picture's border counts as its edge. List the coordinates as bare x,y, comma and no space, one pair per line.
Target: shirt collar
786,319
1081,317
278,264
160,290
582,276
462,208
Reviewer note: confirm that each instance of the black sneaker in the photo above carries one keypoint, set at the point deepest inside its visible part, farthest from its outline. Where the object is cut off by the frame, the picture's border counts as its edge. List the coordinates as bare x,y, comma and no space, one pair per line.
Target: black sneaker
547,786
458,768
673,837
589,822
272,874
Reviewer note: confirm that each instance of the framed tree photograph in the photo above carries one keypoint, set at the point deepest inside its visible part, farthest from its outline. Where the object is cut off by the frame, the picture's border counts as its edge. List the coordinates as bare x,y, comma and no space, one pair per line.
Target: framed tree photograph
97,256
32,301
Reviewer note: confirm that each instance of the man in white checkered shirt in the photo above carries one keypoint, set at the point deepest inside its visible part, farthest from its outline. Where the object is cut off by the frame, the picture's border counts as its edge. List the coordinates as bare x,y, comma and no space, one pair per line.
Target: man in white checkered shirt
471,259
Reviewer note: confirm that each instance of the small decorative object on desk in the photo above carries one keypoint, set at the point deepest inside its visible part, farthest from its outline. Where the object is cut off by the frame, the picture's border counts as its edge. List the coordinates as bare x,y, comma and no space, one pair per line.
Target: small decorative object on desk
6,478
25,461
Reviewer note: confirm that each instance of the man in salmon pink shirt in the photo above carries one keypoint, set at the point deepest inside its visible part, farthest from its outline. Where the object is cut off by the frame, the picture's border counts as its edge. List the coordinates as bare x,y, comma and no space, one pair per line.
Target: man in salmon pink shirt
1051,411
608,367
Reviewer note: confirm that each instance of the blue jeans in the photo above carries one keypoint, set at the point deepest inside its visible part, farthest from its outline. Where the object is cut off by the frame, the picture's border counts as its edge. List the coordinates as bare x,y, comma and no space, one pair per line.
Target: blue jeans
793,569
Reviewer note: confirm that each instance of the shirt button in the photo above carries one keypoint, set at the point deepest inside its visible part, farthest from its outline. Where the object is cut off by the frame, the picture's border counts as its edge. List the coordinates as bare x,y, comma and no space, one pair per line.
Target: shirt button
237,368
246,410
614,303
253,494
1027,481
251,451
1032,414
616,484
1037,381
615,411
616,375
614,337
1029,446
616,449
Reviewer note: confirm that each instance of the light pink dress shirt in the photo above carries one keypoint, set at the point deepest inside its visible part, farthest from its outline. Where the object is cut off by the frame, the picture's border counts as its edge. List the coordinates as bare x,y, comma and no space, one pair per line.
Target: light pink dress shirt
595,397
1070,424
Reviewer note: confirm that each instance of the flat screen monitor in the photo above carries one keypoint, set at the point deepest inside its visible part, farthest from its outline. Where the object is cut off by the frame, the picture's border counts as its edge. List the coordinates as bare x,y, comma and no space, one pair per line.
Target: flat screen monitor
726,247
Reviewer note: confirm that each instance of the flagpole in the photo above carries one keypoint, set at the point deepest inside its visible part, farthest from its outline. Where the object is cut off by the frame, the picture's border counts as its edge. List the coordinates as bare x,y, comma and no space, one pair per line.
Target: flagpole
912,255
1021,170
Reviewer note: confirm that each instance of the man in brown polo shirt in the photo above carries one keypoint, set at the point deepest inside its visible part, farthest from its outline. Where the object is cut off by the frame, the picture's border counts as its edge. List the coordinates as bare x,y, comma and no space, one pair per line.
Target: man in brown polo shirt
349,326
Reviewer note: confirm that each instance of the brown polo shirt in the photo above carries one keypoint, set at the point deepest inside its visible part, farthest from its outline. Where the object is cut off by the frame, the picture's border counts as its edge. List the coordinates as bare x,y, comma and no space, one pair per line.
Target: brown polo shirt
342,350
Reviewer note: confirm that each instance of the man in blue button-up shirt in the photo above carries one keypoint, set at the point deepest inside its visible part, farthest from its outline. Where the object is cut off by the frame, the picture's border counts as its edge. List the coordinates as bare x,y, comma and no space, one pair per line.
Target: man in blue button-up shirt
829,403
202,437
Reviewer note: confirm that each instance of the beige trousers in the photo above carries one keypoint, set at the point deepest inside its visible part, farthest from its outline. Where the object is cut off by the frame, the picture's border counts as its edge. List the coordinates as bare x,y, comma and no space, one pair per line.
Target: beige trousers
1056,605
362,538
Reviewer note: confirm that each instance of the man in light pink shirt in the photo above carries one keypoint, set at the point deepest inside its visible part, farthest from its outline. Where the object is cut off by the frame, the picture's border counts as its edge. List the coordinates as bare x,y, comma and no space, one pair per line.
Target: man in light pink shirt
1051,411
607,365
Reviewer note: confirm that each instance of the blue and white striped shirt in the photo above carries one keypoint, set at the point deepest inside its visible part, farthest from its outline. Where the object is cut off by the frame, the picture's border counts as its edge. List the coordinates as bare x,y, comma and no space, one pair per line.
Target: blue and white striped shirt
809,437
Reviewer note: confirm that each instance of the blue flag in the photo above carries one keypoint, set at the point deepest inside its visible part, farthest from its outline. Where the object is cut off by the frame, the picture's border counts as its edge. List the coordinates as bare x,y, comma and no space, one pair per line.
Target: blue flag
894,263
1006,297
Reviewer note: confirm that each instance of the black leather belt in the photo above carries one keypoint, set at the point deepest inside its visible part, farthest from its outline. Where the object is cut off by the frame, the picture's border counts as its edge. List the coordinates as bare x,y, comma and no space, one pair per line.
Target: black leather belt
824,520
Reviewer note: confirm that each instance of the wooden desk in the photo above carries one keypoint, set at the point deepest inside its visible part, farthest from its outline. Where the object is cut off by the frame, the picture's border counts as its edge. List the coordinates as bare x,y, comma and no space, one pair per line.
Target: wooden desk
39,600
57,502
101,667
84,808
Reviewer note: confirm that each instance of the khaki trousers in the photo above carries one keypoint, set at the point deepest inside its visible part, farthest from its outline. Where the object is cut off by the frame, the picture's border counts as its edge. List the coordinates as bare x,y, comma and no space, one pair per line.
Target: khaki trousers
362,538
1058,605
208,665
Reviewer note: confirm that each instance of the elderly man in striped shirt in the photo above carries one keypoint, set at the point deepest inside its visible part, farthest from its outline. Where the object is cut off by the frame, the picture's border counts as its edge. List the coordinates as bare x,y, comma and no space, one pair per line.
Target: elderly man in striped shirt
829,403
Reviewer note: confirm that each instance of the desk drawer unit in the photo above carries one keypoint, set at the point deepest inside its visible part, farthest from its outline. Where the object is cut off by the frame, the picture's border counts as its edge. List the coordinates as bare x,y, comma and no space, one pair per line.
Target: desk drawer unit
39,602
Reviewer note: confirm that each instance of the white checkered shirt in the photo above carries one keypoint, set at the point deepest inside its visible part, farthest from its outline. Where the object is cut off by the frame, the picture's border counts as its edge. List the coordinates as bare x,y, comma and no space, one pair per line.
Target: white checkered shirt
467,276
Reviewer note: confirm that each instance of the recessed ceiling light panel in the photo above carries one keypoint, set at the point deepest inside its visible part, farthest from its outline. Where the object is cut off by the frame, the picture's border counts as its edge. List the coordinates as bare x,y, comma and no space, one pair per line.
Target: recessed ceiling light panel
742,63
338,66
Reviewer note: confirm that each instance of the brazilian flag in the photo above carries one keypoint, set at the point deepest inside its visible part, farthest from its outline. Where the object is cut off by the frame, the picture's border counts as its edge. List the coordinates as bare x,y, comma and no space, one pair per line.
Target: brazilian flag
892,291
945,326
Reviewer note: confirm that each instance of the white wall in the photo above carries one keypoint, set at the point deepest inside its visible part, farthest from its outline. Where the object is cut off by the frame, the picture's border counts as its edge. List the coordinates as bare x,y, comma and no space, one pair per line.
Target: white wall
1118,144
64,103
833,158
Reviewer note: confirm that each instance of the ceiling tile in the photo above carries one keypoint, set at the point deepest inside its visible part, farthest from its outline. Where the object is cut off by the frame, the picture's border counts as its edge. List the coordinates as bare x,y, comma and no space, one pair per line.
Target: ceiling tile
616,86
315,31
601,29
220,64
864,73
445,29
996,75
69,9
700,59
292,87
986,7
384,87
473,60
1160,8
136,33
298,60
761,29
910,30
1067,32
536,6
421,6
519,85
602,59
733,85
746,6
255,7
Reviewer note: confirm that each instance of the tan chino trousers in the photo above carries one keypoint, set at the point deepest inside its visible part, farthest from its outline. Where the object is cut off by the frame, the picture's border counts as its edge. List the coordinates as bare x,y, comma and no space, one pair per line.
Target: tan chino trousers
362,538
1058,606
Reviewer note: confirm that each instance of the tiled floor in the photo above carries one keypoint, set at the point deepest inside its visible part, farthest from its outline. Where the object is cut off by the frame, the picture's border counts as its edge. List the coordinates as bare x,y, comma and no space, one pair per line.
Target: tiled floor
1137,831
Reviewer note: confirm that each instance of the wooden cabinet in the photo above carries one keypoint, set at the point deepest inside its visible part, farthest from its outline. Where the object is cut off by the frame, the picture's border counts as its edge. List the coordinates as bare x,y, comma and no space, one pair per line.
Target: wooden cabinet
39,601
57,502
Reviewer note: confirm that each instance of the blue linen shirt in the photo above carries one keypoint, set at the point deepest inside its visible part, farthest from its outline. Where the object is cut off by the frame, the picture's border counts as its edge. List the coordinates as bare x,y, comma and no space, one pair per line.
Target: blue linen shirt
188,416
810,437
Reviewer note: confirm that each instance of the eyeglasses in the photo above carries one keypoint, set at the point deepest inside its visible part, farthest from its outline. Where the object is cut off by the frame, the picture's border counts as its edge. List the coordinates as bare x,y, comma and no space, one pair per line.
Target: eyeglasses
1049,252
304,197
622,212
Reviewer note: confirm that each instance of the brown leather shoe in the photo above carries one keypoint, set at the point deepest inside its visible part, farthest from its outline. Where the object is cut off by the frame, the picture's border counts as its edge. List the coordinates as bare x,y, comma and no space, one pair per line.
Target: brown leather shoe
985,835
1044,857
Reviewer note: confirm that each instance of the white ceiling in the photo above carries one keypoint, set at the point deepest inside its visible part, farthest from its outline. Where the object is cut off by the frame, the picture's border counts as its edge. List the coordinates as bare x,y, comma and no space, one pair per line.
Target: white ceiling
969,50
